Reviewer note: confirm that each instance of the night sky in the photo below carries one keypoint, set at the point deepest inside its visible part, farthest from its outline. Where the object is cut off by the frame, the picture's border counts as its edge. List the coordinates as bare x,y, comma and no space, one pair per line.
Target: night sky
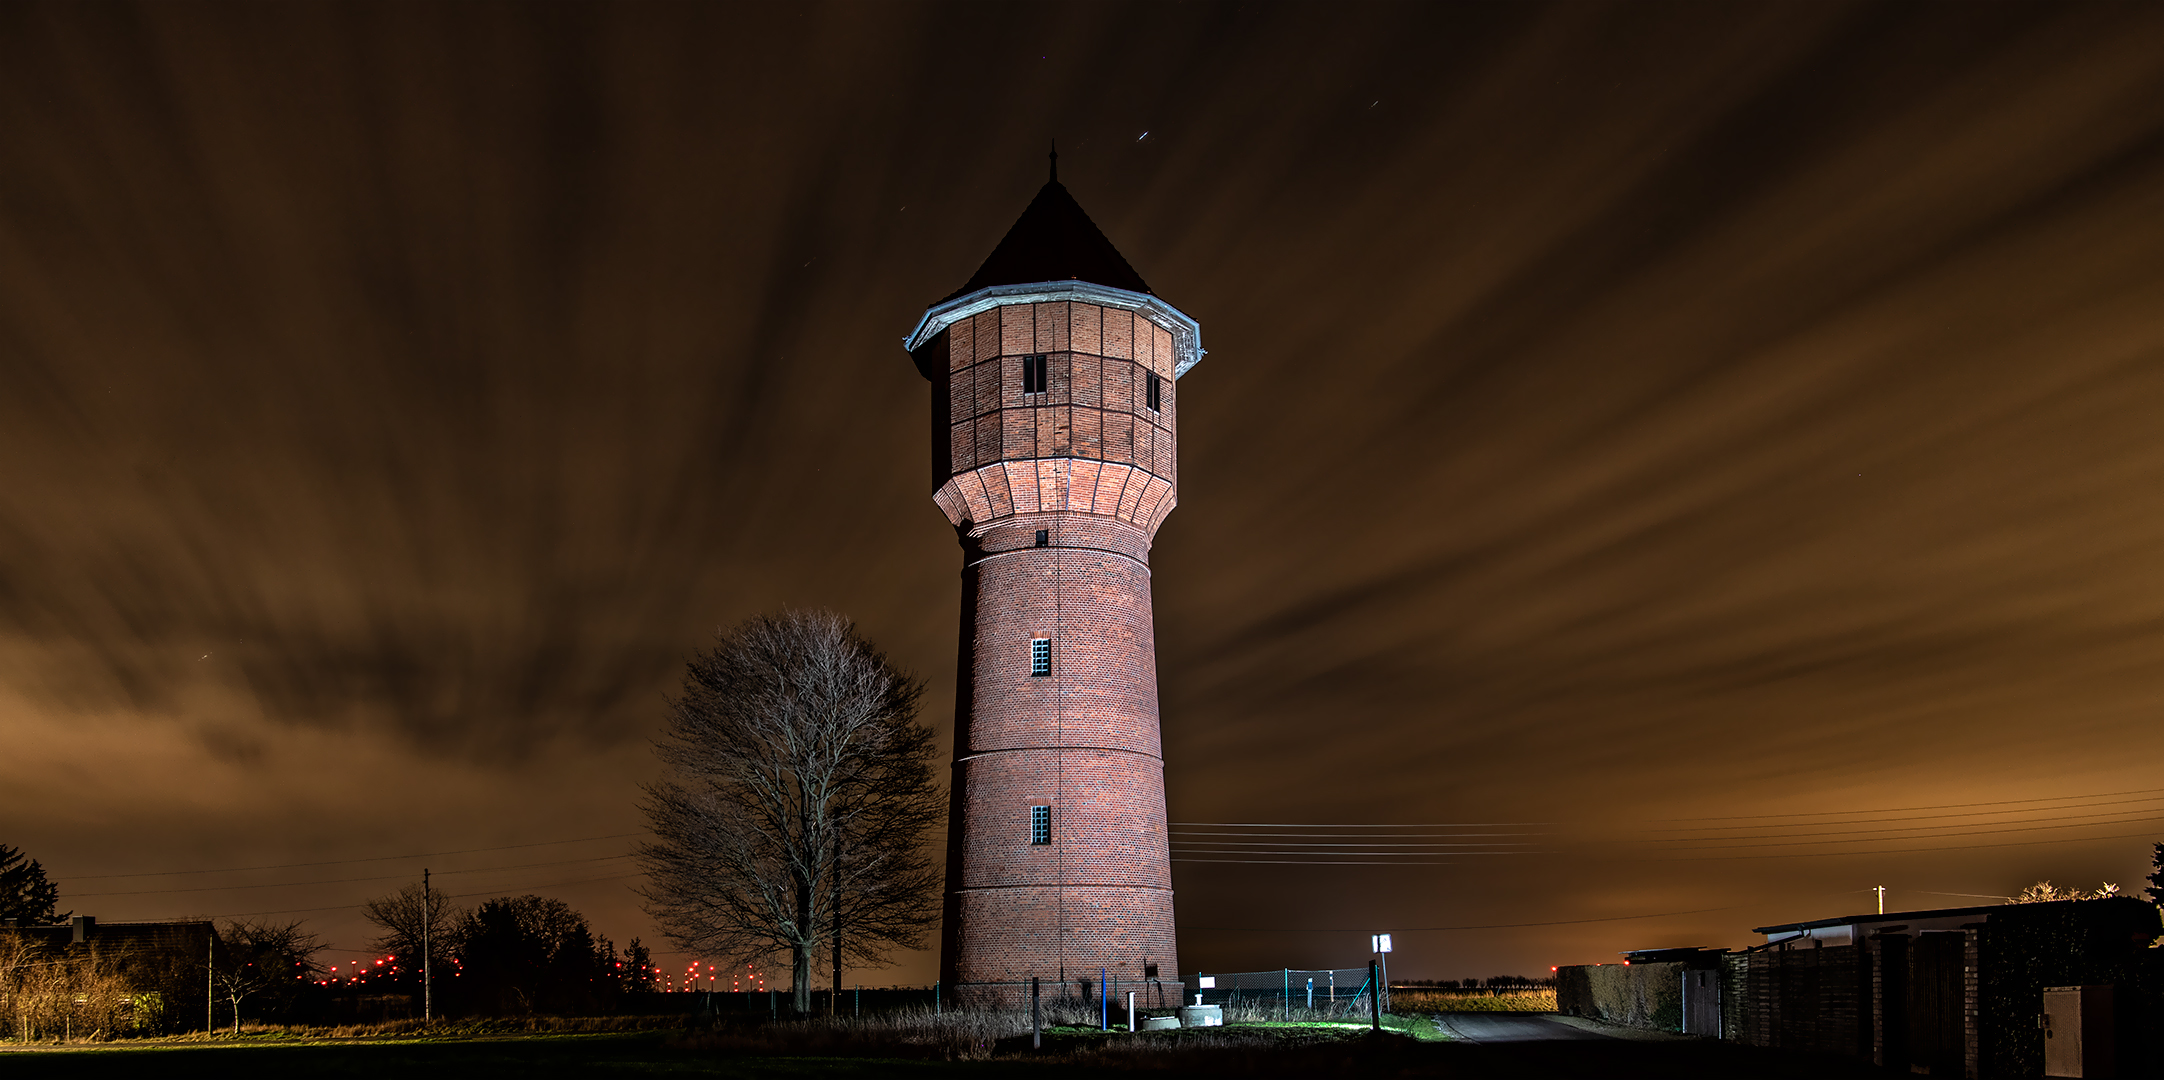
1709,454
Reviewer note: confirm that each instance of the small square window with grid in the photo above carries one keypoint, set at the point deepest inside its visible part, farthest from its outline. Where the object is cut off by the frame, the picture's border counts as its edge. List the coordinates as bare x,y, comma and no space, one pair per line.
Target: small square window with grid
1040,824
1040,656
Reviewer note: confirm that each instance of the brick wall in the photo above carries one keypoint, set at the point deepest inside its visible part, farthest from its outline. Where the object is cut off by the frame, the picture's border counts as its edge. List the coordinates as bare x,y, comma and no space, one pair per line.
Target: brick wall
1089,442
1089,464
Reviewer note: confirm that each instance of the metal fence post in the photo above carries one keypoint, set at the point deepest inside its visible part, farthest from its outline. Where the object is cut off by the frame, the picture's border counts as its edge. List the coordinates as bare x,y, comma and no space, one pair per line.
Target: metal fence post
1036,1017
1375,998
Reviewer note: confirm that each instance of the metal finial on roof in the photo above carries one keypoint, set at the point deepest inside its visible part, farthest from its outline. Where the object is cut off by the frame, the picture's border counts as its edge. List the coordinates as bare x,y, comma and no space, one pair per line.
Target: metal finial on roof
1055,161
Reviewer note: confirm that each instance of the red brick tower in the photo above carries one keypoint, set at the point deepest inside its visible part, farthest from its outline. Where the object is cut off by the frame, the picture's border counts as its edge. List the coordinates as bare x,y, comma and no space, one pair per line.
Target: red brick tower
1053,415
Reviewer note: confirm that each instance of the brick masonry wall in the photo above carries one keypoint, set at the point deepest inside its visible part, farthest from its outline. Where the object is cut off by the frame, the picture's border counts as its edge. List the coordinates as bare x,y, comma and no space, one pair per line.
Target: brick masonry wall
1088,442
1969,986
1091,465
1737,1019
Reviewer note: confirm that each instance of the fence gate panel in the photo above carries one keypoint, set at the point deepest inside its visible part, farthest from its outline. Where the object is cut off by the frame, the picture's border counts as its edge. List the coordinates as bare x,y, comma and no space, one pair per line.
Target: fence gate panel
1702,1002
1935,1032
1893,1001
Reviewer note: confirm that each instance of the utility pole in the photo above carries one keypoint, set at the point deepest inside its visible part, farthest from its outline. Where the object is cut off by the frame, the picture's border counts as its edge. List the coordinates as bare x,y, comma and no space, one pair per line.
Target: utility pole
428,973
1881,891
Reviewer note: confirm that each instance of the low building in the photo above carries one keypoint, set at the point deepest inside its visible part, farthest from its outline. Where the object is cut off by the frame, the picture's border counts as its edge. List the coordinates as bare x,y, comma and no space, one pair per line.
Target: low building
85,976
1947,991
1942,992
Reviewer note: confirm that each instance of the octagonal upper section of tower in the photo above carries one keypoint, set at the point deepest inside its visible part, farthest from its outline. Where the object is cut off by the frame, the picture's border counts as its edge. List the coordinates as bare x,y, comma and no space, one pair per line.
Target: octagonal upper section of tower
1053,375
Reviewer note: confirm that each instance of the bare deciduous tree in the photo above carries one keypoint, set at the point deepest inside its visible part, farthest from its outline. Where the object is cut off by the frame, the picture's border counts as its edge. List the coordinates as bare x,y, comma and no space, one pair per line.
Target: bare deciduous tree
262,960
800,793
411,916
2044,892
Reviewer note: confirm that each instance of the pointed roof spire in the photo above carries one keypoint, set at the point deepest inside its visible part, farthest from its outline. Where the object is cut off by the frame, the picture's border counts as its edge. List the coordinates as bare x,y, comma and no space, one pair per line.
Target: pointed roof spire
1054,240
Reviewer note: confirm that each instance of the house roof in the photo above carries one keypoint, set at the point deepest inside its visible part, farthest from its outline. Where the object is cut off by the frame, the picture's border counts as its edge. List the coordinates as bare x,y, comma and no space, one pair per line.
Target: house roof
1891,916
1055,240
158,934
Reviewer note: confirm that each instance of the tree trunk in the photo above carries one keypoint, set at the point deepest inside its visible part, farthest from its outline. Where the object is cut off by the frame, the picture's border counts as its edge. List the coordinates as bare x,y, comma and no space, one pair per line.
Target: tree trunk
800,967
800,952
834,1004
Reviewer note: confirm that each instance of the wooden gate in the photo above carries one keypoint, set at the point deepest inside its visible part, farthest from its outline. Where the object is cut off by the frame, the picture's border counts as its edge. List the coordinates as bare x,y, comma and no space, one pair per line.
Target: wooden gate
1702,1002
1893,1001
1937,1001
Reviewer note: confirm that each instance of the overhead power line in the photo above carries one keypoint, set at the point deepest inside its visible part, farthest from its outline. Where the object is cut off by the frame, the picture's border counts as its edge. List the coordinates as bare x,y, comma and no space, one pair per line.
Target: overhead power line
345,862
1905,809
1918,817
1320,837
1344,844
1427,929
1290,825
1727,842
505,891
342,881
1902,851
1304,862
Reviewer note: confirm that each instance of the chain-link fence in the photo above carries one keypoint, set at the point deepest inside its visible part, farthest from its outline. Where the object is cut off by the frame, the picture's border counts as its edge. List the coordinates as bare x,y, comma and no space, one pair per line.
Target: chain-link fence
1293,993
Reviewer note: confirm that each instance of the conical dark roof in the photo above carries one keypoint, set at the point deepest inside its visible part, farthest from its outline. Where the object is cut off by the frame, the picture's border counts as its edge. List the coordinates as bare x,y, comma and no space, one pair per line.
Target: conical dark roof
1054,240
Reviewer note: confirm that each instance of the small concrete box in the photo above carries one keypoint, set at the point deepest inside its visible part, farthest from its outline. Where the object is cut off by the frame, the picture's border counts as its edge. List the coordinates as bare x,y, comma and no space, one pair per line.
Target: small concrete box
1202,1016
1160,1023
2079,1040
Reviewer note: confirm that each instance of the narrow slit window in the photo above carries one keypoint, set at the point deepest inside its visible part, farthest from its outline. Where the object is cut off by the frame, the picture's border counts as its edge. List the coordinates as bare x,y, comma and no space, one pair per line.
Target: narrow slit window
1033,375
1040,824
1044,538
1153,390
1040,656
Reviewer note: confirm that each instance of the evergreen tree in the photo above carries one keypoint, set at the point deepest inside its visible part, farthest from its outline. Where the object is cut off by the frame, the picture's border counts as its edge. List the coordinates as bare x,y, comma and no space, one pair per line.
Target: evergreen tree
528,954
2156,876
25,896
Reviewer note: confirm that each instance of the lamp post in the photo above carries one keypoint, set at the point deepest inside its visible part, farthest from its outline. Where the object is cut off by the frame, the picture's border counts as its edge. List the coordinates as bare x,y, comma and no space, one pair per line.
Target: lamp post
1381,948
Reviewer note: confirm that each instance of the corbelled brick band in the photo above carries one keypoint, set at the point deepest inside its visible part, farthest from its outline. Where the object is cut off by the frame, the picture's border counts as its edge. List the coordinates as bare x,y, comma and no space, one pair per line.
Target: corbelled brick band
1056,494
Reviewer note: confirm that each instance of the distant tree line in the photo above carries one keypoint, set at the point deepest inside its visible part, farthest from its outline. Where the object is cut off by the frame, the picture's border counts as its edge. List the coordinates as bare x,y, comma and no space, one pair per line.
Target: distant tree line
511,955
1492,982
793,819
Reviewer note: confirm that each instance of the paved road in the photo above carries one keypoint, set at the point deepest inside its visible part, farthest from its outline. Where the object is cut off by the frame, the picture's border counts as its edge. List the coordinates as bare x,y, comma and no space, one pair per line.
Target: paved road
1536,1046
1514,1027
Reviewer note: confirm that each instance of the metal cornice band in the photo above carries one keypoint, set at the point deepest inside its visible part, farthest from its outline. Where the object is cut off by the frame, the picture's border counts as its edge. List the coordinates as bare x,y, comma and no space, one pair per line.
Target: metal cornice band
1186,332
